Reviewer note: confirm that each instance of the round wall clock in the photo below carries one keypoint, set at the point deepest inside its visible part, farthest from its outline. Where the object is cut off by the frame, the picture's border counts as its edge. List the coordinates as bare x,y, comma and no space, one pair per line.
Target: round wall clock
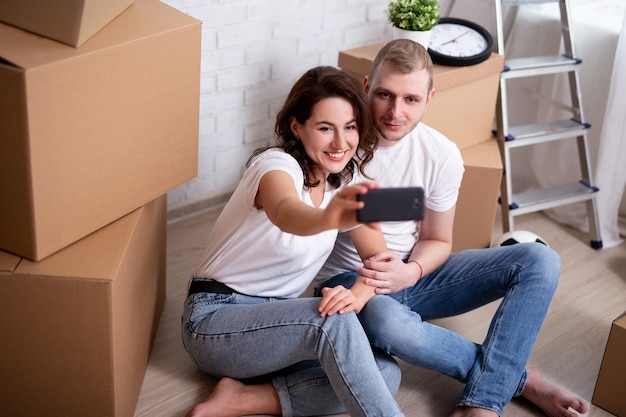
459,42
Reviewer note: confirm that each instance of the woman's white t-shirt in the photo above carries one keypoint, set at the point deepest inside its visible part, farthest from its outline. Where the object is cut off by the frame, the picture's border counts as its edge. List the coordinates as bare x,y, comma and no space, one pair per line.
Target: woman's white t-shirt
247,252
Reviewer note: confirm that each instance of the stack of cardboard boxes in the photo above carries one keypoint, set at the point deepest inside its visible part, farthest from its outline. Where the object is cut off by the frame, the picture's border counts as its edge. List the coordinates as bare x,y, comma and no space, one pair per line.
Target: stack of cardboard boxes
463,109
99,107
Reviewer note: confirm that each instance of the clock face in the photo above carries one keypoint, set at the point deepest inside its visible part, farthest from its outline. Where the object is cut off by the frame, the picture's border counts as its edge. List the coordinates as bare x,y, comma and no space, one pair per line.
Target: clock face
459,42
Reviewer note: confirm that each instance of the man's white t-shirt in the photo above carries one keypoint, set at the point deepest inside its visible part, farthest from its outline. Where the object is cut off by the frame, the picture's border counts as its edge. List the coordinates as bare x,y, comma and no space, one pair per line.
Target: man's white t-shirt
424,158
247,252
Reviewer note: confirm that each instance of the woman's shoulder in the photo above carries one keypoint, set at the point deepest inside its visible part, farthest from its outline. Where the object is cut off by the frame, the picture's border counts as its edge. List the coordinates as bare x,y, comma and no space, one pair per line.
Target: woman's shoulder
273,156
275,159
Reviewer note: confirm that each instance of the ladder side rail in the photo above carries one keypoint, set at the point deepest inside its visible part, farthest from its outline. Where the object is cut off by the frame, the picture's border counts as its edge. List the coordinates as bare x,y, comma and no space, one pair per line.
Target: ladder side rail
566,19
593,223
585,163
576,96
593,219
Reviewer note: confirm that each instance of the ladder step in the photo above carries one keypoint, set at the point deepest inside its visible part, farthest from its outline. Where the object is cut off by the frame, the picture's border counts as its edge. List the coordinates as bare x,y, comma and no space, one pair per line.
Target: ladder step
544,132
538,65
536,200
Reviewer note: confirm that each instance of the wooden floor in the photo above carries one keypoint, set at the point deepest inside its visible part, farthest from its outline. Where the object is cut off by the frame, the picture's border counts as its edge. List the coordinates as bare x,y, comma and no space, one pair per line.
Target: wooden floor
569,349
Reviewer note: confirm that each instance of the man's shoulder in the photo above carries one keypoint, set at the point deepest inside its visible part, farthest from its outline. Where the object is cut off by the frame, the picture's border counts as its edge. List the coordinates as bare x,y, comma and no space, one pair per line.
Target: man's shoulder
424,129
431,137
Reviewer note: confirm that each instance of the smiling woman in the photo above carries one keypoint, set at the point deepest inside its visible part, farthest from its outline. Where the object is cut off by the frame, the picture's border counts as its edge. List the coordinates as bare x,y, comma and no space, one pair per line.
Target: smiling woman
266,247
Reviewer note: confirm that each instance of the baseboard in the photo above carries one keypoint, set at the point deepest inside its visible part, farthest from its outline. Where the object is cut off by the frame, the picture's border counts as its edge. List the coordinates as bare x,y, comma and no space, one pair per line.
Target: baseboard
182,211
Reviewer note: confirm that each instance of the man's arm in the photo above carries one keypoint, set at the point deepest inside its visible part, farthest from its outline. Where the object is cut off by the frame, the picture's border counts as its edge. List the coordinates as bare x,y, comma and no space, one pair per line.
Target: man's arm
388,273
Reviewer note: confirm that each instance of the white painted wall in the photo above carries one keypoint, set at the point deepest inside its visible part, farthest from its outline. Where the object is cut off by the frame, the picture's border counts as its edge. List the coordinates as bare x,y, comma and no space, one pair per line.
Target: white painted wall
252,52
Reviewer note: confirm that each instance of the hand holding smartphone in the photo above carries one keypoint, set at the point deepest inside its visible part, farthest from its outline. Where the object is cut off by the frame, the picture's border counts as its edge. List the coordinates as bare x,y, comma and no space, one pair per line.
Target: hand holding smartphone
391,204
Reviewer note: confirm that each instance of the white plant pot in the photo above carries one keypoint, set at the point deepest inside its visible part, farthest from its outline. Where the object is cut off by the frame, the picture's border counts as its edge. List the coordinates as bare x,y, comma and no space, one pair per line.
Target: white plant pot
421,37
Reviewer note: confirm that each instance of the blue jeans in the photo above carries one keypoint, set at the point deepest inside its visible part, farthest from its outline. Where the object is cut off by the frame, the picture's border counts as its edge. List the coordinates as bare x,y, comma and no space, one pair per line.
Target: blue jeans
317,365
525,276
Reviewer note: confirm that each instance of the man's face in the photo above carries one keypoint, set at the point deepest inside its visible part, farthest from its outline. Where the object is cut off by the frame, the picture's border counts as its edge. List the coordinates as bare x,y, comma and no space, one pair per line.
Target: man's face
398,101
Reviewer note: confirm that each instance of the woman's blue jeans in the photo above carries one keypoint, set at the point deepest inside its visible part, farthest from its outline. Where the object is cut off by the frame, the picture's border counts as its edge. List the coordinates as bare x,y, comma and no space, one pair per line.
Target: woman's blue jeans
524,276
318,365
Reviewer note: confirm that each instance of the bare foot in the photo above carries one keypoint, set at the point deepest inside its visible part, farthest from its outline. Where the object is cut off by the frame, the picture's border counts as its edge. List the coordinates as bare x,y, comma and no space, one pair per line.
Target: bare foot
552,399
231,398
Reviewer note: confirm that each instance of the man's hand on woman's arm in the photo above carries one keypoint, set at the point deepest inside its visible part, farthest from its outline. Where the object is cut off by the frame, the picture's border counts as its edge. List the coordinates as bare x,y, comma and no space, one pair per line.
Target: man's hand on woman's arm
389,274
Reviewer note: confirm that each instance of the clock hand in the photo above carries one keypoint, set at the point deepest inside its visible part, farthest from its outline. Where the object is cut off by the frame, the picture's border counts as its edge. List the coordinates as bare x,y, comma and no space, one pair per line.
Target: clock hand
455,39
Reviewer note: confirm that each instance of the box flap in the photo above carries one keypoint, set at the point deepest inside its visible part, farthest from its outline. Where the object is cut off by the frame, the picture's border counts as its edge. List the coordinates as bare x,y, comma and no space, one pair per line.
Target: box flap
142,19
59,17
96,256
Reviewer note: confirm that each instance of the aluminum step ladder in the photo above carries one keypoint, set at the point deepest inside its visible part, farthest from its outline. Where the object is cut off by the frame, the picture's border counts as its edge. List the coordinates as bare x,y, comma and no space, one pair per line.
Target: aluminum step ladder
574,128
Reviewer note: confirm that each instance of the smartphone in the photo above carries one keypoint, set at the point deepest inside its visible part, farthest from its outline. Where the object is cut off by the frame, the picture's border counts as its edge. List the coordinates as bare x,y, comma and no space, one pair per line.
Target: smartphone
391,204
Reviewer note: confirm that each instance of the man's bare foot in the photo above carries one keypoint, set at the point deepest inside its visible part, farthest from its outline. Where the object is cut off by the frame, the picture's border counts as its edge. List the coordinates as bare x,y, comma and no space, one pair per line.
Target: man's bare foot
231,398
552,399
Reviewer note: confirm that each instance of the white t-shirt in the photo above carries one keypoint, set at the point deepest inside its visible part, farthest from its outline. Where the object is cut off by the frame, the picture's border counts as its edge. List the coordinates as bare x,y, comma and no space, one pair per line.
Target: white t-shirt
249,253
424,158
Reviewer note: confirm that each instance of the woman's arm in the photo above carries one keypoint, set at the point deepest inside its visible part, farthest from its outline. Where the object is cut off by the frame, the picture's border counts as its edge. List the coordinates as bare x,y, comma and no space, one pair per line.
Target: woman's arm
368,241
281,202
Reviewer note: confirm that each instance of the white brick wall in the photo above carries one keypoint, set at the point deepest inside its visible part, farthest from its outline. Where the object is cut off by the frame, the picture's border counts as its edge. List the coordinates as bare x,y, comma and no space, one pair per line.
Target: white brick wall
252,52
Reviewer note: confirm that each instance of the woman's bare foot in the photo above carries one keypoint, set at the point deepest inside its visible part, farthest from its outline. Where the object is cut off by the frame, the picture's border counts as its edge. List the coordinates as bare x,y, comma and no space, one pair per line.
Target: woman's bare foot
552,399
231,398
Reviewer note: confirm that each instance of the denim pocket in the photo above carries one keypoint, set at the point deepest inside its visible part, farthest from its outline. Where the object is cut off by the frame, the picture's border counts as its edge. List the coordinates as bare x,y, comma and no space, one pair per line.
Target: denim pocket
199,306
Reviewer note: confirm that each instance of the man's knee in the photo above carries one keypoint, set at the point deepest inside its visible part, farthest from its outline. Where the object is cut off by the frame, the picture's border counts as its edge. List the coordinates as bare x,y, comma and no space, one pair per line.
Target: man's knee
543,260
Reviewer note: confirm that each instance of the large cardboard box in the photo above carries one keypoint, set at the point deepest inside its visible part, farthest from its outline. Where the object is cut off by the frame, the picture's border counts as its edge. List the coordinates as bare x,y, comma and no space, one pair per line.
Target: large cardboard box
609,391
91,133
478,197
68,21
465,97
77,328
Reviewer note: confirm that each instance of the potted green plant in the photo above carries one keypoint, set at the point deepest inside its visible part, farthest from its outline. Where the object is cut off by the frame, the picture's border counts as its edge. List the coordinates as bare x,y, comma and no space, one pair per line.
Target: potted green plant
413,19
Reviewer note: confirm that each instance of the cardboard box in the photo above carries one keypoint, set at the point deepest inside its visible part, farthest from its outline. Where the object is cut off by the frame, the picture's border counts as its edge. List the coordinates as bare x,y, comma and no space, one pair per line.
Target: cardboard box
478,197
609,391
90,134
68,21
77,328
464,105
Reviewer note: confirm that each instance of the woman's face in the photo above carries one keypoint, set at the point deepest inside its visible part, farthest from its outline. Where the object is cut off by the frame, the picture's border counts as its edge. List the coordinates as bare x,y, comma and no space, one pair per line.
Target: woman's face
330,136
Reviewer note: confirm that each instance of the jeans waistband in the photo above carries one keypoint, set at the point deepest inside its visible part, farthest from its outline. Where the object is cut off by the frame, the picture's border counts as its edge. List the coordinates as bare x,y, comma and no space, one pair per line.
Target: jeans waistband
213,286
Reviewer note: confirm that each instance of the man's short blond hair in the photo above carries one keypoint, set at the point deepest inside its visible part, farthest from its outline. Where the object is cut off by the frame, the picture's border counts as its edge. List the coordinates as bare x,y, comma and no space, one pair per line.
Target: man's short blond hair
405,56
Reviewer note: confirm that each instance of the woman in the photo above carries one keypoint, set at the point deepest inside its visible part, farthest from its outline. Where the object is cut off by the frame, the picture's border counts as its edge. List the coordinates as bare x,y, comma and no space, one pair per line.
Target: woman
243,321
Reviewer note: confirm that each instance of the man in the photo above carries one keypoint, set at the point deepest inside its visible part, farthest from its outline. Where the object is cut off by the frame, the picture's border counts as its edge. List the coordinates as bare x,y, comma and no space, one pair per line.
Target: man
424,280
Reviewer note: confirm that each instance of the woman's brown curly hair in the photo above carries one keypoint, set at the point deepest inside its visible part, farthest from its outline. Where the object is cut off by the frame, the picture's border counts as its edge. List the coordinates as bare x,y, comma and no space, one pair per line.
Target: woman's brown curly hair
315,85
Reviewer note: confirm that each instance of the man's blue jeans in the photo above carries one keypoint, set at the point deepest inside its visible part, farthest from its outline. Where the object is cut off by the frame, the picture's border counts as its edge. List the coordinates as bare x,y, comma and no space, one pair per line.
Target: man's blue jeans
524,276
318,365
